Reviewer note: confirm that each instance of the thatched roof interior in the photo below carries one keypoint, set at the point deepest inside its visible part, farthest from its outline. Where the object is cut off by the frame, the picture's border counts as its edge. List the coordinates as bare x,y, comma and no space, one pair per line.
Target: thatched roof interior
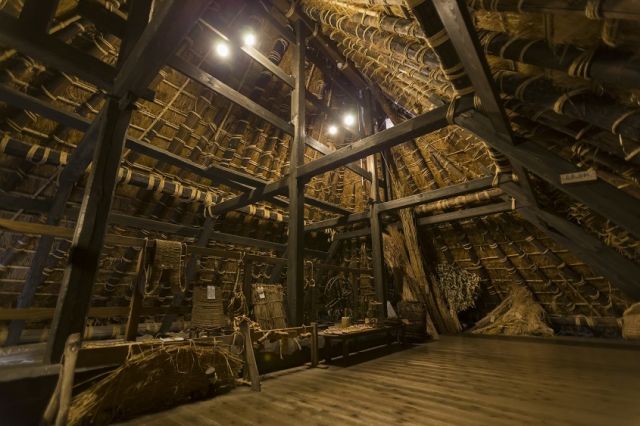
597,128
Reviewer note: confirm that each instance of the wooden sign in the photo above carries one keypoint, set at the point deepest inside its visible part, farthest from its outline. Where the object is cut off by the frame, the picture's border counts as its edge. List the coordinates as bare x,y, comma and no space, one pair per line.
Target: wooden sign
576,177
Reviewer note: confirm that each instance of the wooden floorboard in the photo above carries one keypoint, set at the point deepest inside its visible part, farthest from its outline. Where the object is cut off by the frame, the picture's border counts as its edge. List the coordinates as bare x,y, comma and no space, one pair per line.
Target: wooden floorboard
455,381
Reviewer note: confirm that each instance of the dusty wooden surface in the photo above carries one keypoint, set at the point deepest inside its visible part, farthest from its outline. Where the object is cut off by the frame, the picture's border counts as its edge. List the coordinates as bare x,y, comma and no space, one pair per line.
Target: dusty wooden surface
457,380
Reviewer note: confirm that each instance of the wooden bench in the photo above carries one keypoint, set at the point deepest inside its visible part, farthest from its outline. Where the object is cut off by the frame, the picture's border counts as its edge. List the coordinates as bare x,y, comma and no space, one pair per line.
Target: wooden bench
346,339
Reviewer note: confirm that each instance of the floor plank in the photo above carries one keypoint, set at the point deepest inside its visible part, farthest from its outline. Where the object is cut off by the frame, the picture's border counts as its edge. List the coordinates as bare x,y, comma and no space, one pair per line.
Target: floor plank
455,381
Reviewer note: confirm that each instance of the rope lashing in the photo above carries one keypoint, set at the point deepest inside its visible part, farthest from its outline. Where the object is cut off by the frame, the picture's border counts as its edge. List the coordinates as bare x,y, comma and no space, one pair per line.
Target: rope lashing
124,175
522,87
632,154
4,142
238,302
581,65
558,106
454,72
477,103
525,48
438,38
593,9
616,124
32,152
451,111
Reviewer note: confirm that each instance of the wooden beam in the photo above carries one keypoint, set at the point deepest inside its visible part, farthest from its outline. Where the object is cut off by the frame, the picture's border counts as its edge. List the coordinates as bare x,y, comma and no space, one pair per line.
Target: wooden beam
357,233
75,168
295,244
210,82
32,228
21,202
254,54
620,271
162,36
80,273
278,187
324,149
104,20
217,173
466,213
457,21
337,221
213,172
172,21
377,249
599,196
55,53
438,194
267,13
133,29
37,14
415,127
616,9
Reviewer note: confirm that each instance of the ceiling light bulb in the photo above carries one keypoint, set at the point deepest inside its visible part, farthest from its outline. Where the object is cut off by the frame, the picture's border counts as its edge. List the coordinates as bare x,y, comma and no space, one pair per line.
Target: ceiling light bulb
222,49
349,120
249,39
332,130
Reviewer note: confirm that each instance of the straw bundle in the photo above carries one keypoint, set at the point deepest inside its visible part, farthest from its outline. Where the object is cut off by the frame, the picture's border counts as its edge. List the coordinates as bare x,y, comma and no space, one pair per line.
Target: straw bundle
156,378
631,322
268,306
458,286
517,315
207,313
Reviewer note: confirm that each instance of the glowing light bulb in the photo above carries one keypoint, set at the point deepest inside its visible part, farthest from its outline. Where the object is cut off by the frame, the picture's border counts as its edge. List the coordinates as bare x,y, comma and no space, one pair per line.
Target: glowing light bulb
349,119
249,39
332,130
222,49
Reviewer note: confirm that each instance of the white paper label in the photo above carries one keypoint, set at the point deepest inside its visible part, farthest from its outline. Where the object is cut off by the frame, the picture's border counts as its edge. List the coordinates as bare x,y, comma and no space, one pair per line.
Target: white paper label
211,292
261,293
585,176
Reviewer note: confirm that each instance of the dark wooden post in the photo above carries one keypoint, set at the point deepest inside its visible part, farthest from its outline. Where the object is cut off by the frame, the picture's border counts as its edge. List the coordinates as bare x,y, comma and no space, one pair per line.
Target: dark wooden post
80,273
162,36
250,356
295,257
137,298
315,356
247,280
374,199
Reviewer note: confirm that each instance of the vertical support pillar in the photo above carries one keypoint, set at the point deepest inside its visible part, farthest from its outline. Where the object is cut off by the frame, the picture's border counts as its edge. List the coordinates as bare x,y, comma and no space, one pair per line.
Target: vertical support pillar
295,256
77,283
374,200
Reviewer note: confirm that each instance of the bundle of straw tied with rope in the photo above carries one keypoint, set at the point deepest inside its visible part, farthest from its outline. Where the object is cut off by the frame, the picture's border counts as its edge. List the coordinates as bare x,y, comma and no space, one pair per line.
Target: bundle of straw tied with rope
157,378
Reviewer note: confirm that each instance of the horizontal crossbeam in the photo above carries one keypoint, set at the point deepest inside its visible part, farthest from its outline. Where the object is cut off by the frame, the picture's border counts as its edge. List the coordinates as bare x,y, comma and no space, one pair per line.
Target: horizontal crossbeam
415,127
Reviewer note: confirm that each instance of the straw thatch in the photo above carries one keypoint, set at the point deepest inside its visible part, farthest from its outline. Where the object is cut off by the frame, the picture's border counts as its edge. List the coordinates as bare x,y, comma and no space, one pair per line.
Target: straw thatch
157,378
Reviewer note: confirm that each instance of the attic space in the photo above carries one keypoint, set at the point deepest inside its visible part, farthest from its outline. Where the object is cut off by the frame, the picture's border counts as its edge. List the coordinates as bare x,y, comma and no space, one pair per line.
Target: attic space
359,212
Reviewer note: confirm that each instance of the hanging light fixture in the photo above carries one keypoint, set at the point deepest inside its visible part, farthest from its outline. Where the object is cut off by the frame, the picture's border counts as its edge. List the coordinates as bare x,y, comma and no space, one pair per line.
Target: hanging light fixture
332,130
222,49
349,119
249,39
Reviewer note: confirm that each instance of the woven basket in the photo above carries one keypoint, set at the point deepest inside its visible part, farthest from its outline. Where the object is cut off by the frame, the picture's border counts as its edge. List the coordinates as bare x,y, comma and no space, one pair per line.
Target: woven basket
631,322
207,313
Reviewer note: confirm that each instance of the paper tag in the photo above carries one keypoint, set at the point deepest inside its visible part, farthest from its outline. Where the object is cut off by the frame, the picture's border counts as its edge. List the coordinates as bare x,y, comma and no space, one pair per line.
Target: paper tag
211,292
261,293
584,176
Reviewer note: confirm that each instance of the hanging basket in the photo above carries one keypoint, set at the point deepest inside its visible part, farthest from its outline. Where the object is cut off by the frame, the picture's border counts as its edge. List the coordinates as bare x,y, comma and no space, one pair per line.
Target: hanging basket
631,322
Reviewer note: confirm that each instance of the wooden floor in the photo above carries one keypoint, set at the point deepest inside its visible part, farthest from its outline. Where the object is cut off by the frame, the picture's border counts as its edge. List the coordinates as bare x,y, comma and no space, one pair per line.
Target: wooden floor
455,381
